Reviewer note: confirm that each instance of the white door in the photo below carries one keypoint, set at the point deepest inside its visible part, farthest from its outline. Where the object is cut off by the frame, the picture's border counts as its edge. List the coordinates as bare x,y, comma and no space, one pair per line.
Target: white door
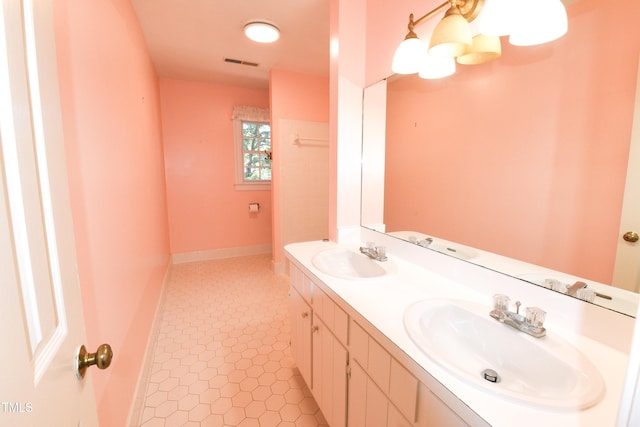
626,273
41,322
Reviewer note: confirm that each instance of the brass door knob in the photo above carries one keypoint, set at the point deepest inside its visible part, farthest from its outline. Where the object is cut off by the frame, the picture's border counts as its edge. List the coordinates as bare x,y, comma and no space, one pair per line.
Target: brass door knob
101,358
631,236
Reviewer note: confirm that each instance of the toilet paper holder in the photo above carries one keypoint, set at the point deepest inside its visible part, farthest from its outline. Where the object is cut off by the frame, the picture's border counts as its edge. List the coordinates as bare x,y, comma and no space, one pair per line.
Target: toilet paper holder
254,207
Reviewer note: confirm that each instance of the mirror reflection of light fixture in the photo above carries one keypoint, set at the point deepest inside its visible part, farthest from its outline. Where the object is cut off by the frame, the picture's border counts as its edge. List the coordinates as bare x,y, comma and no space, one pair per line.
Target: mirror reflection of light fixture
538,22
262,32
483,49
452,36
498,16
526,22
436,67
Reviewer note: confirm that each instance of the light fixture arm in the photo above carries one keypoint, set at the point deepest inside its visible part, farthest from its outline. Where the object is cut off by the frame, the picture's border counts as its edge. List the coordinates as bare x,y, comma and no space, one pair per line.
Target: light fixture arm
469,9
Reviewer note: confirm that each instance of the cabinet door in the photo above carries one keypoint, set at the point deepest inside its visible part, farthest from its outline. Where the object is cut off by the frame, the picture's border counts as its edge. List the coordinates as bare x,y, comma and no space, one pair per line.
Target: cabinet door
395,418
433,412
300,320
357,409
330,374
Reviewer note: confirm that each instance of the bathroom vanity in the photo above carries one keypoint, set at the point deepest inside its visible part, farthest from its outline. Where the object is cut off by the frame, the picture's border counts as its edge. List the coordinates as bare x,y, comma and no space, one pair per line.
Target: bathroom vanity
350,341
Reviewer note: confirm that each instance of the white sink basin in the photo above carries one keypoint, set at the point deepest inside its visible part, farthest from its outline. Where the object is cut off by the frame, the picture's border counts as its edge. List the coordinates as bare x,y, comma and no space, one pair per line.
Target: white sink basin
462,338
349,264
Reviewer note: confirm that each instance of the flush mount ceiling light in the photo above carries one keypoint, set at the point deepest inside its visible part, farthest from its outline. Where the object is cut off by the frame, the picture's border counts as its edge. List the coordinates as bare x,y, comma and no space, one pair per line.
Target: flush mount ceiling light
262,32
526,22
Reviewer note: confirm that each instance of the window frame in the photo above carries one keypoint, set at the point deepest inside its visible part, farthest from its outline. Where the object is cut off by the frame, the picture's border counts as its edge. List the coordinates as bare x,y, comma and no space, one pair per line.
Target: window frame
238,137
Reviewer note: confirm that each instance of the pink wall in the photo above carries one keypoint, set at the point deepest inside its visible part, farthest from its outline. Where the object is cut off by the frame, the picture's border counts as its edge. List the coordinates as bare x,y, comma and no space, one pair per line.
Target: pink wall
109,97
294,96
556,118
205,210
299,96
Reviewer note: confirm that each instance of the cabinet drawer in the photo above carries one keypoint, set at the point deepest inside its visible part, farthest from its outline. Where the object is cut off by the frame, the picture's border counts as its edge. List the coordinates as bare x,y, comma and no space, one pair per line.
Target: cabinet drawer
379,365
358,344
301,283
340,324
371,356
331,314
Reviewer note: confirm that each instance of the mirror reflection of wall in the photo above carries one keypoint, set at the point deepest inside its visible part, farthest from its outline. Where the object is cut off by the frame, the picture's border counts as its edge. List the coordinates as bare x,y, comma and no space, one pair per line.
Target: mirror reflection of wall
526,156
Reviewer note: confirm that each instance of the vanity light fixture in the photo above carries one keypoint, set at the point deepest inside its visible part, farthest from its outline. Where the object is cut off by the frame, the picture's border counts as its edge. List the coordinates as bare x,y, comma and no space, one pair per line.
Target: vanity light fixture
526,22
262,32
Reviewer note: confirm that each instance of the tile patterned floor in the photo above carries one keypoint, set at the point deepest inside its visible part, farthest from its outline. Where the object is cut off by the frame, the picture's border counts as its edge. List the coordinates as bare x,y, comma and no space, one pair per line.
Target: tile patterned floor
222,353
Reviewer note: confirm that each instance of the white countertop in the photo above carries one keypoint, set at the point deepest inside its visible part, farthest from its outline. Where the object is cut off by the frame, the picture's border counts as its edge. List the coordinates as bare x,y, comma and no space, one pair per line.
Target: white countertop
623,301
382,302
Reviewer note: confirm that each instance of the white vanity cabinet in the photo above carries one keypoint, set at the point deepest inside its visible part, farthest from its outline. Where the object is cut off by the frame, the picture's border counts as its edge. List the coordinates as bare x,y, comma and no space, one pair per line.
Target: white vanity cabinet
300,315
358,377
370,402
383,392
330,374
318,345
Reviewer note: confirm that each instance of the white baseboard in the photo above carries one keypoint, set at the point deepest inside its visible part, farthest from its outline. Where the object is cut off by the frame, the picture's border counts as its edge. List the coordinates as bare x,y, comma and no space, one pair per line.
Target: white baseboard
183,257
135,411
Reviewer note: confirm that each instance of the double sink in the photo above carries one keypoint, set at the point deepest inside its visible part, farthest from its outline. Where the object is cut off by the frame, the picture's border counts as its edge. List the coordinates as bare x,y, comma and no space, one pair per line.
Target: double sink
460,337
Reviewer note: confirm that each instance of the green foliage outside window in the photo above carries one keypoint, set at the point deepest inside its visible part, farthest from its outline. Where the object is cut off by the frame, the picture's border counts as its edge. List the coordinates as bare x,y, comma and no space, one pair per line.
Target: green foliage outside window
256,151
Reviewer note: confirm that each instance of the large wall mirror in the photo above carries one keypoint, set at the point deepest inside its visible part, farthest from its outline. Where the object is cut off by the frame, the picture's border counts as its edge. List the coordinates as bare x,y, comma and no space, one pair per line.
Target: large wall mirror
519,165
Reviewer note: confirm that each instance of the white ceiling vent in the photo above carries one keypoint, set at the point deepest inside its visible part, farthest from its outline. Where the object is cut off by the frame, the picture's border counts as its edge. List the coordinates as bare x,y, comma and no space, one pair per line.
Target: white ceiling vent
241,62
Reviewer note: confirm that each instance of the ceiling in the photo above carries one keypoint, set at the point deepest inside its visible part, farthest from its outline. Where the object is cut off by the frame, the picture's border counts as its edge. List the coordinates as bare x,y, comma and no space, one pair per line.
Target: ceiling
190,39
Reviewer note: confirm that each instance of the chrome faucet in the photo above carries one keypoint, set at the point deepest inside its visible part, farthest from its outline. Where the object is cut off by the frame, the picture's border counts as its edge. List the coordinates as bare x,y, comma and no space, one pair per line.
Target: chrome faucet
378,253
422,242
425,242
573,289
530,324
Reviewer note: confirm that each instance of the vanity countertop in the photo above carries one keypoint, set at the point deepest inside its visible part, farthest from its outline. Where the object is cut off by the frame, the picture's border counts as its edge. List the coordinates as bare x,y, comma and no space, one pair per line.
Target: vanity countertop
382,301
622,301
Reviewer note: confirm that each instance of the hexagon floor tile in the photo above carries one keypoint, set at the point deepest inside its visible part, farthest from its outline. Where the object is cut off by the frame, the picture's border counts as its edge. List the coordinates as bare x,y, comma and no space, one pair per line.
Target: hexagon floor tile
222,352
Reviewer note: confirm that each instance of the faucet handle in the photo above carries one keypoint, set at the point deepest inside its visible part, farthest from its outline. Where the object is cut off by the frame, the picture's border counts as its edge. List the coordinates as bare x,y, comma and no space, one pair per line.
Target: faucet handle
501,302
535,316
370,245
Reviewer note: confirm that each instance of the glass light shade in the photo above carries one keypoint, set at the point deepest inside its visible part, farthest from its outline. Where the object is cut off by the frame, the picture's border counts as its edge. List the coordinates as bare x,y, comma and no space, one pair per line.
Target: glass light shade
433,67
262,32
484,49
408,55
539,22
497,17
452,35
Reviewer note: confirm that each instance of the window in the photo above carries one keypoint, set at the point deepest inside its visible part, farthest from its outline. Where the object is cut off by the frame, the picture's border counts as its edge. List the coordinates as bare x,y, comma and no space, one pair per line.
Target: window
252,135
256,151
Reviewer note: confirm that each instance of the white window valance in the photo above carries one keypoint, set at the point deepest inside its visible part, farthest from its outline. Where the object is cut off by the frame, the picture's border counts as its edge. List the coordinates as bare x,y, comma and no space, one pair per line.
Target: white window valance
252,114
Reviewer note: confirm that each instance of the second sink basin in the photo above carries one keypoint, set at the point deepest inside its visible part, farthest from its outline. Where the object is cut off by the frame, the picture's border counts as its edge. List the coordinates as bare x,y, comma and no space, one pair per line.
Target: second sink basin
462,338
349,264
